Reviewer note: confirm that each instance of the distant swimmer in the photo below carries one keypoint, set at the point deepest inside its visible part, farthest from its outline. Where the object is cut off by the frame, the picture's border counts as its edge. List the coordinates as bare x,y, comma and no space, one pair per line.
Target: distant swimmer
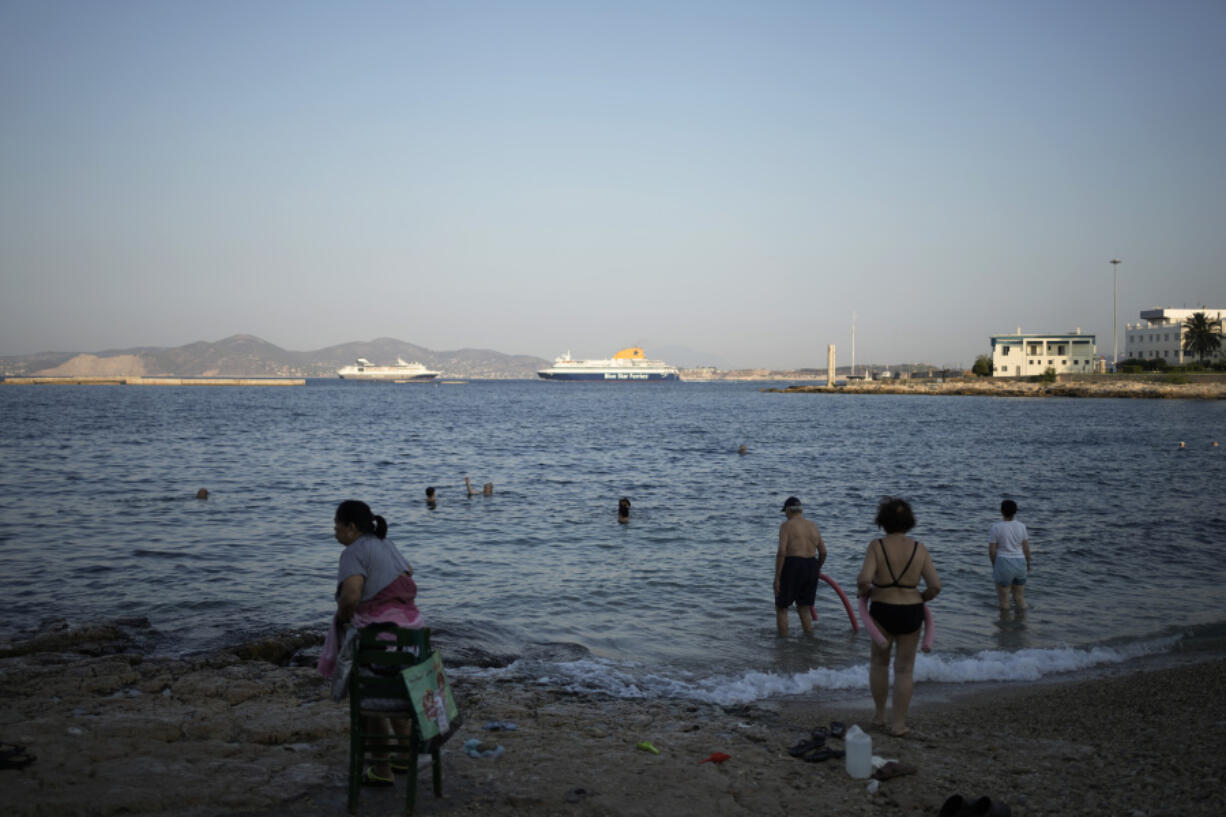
1213,444
203,493
1009,552
623,510
742,450
1182,444
431,503
798,566
486,490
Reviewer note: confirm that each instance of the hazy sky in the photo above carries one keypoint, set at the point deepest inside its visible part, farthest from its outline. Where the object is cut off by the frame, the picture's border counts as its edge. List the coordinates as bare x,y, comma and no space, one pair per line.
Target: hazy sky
733,177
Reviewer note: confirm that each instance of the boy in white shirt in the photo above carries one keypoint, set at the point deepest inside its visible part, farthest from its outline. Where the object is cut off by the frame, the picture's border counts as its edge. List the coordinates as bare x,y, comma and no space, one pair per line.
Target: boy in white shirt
1009,551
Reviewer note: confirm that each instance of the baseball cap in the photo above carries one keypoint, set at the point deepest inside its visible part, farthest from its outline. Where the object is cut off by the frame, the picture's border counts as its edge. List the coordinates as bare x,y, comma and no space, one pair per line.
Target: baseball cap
790,502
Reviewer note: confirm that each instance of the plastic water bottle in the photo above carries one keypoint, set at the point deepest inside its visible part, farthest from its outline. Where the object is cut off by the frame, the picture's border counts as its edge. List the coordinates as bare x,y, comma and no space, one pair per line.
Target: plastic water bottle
859,752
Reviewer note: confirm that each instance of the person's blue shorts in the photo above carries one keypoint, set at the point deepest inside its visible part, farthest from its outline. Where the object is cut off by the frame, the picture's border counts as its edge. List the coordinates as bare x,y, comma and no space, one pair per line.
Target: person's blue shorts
1007,571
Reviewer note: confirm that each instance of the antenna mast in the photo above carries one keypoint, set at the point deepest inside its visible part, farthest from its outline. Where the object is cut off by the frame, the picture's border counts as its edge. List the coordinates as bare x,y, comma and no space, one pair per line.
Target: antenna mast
853,344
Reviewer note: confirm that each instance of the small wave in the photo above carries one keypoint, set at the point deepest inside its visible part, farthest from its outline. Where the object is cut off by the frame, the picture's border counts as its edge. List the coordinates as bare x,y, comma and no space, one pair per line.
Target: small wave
168,554
598,676
1032,664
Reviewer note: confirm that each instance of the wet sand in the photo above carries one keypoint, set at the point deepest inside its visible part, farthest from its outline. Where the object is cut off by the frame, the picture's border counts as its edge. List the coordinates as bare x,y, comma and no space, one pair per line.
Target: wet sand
117,732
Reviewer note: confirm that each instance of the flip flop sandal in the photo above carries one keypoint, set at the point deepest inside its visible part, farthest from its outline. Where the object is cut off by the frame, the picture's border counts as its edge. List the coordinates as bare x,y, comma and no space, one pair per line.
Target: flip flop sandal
14,756
837,729
369,778
820,732
806,746
818,755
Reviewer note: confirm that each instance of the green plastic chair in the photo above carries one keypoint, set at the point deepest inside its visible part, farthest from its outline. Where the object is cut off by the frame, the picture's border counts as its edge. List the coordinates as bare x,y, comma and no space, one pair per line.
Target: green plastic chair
385,695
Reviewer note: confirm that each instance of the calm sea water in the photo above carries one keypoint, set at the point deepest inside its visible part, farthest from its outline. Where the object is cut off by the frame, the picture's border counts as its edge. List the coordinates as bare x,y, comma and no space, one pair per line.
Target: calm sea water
538,582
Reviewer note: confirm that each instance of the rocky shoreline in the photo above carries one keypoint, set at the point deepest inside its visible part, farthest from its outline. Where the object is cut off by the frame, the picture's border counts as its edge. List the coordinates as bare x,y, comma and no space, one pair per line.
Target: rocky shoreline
245,731
987,387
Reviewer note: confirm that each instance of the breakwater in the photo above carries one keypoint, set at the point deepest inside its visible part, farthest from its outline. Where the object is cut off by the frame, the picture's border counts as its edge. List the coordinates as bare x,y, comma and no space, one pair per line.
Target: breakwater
137,380
1010,388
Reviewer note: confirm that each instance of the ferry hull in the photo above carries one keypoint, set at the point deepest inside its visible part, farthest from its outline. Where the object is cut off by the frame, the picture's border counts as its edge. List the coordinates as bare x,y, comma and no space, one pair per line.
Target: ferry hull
610,377
392,378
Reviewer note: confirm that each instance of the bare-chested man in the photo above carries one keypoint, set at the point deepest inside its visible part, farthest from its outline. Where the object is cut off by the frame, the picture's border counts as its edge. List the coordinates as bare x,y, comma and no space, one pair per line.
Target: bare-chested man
798,564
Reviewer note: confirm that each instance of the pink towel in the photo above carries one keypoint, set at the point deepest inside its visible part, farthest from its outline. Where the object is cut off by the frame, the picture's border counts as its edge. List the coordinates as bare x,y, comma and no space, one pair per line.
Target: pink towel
394,604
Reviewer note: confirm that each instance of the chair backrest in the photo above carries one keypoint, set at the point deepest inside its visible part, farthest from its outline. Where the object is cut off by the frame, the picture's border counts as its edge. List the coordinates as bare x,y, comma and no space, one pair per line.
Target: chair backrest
382,652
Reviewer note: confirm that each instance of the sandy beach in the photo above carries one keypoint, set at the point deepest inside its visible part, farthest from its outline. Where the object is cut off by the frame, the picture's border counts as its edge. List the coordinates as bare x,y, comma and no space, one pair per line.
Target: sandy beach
115,732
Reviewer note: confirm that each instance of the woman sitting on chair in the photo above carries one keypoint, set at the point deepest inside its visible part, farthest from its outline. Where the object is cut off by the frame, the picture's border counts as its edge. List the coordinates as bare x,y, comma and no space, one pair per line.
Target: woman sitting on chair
374,585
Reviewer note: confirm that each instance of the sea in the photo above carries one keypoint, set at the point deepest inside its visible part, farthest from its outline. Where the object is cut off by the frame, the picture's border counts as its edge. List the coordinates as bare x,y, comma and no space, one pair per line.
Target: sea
539,584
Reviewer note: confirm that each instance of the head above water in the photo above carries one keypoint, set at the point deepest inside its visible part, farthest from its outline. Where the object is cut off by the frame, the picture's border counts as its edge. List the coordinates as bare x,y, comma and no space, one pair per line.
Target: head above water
791,506
894,515
1008,509
356,513
430,492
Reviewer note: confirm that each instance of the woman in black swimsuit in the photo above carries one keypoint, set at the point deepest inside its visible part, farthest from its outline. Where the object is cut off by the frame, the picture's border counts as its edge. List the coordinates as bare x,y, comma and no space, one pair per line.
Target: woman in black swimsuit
897,605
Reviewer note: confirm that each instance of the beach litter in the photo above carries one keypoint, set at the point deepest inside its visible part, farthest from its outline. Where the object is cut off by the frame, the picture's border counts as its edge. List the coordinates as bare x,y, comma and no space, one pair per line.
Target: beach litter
475,747
647,747
500,726
715,757
892,768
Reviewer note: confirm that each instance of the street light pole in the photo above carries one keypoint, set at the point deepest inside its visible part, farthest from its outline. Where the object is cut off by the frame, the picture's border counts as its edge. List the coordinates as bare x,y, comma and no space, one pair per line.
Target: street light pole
1115,315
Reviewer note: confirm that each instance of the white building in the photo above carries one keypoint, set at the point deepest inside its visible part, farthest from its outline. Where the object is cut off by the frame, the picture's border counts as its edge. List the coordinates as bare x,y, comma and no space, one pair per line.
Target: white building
1161,334
1020,355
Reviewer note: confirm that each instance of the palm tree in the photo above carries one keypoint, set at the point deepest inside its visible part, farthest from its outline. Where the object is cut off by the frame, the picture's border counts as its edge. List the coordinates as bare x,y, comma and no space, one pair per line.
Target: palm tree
1202,335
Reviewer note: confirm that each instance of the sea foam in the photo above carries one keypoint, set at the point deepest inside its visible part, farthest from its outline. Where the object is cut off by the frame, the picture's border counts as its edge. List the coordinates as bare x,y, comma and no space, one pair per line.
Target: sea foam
600,676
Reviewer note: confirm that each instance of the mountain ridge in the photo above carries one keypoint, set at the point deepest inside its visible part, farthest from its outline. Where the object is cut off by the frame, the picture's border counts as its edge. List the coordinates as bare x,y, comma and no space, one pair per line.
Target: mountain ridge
245,355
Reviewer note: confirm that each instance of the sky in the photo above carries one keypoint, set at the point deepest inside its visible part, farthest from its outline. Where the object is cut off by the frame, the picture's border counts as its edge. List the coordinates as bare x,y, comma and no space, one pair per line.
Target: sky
733,178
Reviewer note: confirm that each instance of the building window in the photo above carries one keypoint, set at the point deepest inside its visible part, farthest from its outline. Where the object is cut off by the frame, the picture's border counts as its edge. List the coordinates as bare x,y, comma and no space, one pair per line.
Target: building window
1004,351
1064,363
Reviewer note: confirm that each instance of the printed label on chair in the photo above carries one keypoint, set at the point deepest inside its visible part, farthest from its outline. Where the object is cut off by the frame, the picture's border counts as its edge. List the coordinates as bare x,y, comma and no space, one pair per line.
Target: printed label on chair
431,695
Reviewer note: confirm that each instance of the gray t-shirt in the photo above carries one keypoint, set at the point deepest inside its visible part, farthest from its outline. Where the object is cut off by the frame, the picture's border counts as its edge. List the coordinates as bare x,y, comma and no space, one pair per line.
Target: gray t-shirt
374,558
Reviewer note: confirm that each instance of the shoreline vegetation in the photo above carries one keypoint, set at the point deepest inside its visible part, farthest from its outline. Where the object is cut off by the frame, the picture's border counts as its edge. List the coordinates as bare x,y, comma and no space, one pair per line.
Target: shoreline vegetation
992,387
116,730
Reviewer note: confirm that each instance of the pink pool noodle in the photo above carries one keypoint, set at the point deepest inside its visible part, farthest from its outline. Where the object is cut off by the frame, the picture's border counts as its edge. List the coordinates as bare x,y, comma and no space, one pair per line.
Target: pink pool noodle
846,602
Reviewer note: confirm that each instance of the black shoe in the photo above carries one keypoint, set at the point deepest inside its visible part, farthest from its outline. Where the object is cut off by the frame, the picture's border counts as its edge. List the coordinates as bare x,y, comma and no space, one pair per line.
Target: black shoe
986,807
955,806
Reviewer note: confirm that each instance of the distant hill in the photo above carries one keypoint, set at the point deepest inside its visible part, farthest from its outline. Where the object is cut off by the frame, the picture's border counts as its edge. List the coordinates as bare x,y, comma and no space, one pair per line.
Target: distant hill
249,356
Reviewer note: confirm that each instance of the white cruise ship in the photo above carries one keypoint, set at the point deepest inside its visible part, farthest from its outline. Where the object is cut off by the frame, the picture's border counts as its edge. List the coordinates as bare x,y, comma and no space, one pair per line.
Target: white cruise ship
402,372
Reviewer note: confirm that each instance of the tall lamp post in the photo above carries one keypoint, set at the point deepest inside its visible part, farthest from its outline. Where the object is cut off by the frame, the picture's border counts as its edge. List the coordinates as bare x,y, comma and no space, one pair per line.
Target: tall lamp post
1115,315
